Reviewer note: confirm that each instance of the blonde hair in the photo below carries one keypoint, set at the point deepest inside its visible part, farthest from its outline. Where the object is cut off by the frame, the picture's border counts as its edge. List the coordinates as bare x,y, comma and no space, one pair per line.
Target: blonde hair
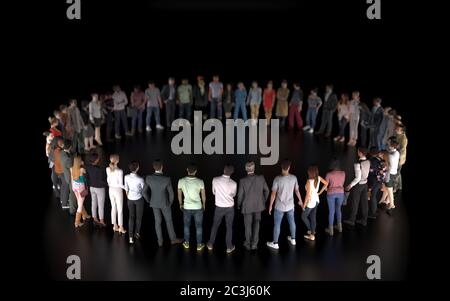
114,160
76,168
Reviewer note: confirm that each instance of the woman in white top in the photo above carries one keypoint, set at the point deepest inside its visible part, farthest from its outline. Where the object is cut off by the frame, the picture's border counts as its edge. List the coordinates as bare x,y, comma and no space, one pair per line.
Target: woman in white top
354,118
312,200
343,116
134,185
95,116
391,157
114,177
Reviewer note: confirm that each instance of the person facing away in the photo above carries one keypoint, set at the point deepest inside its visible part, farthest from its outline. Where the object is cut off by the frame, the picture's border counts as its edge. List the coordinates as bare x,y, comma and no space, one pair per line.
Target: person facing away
95,116
314,104
80,190
168,96
215,93
394,159
359,190
138,102
402,140
200,95
269,95
330,102
354,118
192,199
114,177
75,126
134,186
295,107
184,99
312,200
335,196
228,100
120,116
283,188
96,181
67,163
240,98
252,196
377,176
254,99
154,106
375,122
224,189
158,192
343,116
282,103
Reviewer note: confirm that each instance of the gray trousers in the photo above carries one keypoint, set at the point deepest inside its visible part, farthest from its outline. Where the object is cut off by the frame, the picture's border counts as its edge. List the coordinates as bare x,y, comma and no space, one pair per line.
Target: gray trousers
170,112
219,214
64,192
73,205
251,223
326,125
167,213
98,202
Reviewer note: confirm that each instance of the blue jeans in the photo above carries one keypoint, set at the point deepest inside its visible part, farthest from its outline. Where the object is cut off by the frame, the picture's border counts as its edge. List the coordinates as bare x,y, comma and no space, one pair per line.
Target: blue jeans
198,218
240,106
278,217
150,112
215,105
120,117
185,111
334,206
137,118
311,116
309,218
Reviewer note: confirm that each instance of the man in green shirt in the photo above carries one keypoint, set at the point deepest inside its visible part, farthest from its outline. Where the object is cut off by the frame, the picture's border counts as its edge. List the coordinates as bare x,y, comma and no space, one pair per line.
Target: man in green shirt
193,205
184,99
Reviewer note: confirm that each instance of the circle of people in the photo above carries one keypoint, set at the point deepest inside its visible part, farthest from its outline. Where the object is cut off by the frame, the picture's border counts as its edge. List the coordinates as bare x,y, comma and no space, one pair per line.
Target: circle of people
377,171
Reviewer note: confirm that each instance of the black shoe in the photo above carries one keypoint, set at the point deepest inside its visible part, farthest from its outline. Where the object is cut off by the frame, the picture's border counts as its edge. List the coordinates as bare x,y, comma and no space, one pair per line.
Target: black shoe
372,217
362,223
137,236
247,247
390,212
349,223
160,244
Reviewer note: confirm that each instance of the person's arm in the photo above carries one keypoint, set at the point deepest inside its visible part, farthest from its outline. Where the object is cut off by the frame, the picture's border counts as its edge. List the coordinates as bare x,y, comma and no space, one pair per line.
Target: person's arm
234,190
209,93
120,176
180,198
357,177
320,104
272,200
127,187
191,96
145,192
299,196
132,100
213,187
308,194
170,192
325,185
241,195
266,191
203,195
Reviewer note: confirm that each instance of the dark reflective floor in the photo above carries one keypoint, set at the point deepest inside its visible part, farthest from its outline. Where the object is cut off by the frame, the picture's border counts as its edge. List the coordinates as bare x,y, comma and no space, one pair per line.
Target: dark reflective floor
108,256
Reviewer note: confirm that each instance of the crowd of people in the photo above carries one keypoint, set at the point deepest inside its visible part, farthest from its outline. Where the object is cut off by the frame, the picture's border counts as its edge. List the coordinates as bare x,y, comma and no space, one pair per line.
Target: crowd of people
77,172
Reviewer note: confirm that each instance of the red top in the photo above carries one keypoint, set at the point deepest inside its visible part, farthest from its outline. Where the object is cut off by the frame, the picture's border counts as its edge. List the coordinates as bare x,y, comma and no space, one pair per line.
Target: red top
55,132
268,98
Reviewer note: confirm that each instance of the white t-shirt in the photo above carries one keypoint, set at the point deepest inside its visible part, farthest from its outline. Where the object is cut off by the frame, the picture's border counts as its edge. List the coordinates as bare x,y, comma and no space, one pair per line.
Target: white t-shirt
314,193
114,178
224,188
134,185
394,158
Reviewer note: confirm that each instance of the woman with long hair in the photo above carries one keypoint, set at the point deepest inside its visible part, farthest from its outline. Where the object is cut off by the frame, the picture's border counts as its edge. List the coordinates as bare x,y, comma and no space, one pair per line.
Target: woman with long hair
312,200
95,116
80,190
343,116
114,177
335,196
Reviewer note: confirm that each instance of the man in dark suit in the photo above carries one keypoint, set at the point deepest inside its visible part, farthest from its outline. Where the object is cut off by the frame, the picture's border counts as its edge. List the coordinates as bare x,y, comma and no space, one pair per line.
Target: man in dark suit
376,118
158,192
330,102
67,163
252,195
168,96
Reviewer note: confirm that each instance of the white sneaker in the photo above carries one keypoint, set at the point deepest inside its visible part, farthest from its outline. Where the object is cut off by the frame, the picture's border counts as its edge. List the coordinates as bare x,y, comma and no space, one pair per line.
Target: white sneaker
159,127
131,240
148,129
291,240
311,131
272,245
305,128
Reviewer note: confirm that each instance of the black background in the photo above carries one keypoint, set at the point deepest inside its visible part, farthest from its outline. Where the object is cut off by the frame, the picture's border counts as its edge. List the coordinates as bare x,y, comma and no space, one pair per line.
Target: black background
313,41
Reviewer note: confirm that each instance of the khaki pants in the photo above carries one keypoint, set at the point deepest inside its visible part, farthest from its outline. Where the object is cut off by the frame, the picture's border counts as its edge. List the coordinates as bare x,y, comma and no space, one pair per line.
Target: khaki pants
254,111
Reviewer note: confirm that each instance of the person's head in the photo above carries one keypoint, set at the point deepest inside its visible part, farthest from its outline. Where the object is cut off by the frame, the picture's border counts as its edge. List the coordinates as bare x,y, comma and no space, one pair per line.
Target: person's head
392,113
285,166
151,84
73,103
137,88
362,152
57,114
133,166
384,155
335,164
85,104
76,167
400,129
94,97
314,91
228,169
329,88
113,161
67,146
284,84
250,167
376,102
254,84
270,85
296,86
344,98
393,143
171,81
374,152
53,122
94,159
184,81
355,95
241,85
229,86
116,88
63,109
157,165
215,78
191,169
60,143
386,110
201,80
313,173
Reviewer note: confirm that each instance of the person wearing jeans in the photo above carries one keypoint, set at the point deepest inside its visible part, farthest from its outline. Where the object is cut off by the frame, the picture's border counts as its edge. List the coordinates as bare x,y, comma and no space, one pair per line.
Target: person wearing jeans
76,126
120,116
154,104
254,99
343,117
312,200
224,190
159,186
377,176
215,93
96,180
138,101
114,177
168,96
134,185
335,196
329,107
192,198
184,99
314,104
283,188
240,98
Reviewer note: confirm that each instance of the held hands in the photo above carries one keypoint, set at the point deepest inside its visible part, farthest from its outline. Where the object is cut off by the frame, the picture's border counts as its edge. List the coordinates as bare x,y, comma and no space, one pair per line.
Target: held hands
348,188
270,210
